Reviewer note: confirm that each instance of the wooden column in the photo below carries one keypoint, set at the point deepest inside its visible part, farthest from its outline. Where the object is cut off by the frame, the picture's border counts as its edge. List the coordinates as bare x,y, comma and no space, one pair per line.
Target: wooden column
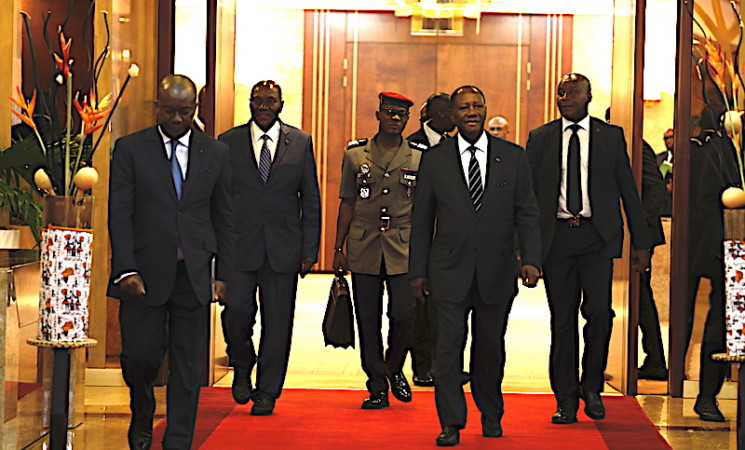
679,240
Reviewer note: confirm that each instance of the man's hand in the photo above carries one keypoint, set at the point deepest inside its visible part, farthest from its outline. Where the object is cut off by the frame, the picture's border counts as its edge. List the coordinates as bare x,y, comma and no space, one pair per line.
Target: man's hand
133,285
420,289
219,293
530,275
340,263
305,265
640,260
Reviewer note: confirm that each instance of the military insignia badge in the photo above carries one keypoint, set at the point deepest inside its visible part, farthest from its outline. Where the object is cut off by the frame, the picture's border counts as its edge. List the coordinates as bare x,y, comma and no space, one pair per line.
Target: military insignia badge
364,192
364,168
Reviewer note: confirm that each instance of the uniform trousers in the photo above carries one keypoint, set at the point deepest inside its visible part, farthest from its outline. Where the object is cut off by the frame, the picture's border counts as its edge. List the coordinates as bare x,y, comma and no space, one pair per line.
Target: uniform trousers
578,278
488,327
368,304
277,293
147,331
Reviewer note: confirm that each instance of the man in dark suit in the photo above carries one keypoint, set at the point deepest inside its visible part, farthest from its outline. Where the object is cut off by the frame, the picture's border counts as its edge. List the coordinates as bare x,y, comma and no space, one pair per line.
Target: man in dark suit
713,169
434,130
277,233
478,190
665,162
580,172
167,221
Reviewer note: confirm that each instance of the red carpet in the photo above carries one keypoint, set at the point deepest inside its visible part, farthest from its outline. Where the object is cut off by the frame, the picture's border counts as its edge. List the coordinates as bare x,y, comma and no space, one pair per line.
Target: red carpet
332,419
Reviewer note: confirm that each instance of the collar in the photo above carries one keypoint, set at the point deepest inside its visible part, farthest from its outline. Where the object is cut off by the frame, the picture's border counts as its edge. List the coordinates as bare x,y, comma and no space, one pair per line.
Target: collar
183,140
584,123
481,144
272,132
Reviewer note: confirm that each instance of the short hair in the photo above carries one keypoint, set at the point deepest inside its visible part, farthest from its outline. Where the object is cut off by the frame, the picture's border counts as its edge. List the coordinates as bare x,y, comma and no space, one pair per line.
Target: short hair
437,96
268,84
177,80
467,87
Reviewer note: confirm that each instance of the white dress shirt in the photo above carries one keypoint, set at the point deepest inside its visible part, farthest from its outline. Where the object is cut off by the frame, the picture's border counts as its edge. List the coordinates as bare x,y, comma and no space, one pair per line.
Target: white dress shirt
433,136
465,155
257,133
182,150
584,154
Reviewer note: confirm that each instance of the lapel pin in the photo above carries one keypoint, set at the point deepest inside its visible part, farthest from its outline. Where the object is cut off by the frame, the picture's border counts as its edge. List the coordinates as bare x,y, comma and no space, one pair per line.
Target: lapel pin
287,141
498,159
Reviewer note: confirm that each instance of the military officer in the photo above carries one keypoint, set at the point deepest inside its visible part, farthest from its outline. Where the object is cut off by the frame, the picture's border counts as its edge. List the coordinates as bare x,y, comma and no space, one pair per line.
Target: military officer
377,188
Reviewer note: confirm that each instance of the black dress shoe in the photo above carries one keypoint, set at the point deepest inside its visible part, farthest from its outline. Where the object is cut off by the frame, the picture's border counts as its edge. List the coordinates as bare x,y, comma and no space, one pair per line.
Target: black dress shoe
241,388
652,373
707,409
376,401
449,437
400,387
424,381
593,404
490,428
263,406
140,434
564,416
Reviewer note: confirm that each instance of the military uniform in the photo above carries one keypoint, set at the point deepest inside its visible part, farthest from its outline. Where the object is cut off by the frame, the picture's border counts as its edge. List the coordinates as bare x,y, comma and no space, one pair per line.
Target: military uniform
382,184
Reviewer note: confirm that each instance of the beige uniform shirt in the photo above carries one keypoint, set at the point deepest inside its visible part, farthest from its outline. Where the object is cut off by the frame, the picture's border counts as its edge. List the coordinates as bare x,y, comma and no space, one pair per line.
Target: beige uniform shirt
384,193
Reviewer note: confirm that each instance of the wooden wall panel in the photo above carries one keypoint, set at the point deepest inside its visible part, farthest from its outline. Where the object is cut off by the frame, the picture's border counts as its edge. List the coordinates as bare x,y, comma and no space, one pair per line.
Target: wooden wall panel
351,56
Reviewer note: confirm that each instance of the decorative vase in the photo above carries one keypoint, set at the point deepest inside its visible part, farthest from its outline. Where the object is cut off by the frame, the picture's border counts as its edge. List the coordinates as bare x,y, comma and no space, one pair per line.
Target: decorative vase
65,269
733,197
734,280
10,239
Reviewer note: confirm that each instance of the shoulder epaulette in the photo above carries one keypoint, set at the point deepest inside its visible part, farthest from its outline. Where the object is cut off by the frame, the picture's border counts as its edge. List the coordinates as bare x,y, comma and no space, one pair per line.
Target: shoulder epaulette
418,146
357,143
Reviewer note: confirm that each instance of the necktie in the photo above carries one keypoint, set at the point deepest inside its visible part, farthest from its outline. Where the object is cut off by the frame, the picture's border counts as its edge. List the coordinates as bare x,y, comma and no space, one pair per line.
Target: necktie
178,177
475,187
265,159
574,184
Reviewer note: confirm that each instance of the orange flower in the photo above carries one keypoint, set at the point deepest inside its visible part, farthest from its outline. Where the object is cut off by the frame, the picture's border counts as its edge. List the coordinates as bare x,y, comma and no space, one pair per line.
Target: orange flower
27,107
63,62
91,115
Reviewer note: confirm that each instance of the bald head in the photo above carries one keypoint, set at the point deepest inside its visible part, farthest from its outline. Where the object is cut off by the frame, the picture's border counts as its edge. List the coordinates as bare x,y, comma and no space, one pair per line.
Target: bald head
498,126
177,101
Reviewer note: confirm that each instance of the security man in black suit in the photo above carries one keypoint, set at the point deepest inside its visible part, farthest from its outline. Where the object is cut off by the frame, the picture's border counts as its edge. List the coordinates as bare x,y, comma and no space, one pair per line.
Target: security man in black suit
581,171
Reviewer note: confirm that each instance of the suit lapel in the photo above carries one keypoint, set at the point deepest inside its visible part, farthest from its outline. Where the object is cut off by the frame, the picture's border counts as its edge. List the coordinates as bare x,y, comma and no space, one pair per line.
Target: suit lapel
196,164
282,145
458,165
493,169
160,161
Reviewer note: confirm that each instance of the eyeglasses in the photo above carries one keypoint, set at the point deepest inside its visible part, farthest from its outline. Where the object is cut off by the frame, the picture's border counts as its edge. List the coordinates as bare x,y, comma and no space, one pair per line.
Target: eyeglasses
390,112
667,137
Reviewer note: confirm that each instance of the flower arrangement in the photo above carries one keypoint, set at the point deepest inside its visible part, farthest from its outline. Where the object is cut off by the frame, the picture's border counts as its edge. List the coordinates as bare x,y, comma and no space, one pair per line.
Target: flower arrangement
55,156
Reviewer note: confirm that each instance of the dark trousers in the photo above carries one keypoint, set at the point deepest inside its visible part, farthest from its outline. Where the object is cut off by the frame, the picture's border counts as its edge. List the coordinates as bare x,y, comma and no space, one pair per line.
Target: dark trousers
649,323
277,302
368,304
423,340
489,324
713,373
180,326
578,278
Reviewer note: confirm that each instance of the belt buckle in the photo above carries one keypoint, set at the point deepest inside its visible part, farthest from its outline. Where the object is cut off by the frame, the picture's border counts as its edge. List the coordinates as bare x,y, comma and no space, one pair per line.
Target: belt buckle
385,223
574,222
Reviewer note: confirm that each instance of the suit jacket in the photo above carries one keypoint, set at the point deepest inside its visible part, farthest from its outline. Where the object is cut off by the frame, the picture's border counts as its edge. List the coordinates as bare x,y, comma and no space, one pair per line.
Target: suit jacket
610,176
713,168
147,220
654,194
466,242
280,220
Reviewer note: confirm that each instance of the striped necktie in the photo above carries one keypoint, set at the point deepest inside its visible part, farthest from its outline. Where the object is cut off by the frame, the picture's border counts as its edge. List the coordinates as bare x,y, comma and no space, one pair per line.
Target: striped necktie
475,188
265,159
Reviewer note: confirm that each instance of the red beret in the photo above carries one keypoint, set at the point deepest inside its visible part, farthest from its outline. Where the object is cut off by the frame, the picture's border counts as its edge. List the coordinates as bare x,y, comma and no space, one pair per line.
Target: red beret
392,98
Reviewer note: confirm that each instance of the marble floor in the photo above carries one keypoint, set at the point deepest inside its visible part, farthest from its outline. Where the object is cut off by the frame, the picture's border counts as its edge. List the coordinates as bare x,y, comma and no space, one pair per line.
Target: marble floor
105,414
